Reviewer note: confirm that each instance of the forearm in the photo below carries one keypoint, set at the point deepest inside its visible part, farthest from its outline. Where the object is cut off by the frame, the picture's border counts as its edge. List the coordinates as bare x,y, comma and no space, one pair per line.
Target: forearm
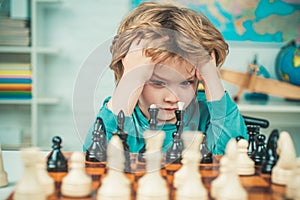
126,94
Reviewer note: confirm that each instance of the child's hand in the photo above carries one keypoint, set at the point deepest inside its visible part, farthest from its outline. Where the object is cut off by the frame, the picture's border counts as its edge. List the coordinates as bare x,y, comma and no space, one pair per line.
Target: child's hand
208,74
136,61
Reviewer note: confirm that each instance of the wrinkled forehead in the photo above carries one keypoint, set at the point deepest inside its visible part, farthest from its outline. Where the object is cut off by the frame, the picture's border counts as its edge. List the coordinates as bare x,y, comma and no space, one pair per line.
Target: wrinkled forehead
174,69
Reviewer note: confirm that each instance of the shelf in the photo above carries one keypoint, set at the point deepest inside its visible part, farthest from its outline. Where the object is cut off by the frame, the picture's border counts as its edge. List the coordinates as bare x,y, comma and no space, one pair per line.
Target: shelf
15,49
44,101
273,105
47,50
47,101
16,101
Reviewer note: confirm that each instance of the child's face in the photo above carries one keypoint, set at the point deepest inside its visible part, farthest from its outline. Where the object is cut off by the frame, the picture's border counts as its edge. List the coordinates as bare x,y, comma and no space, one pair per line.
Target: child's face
171,82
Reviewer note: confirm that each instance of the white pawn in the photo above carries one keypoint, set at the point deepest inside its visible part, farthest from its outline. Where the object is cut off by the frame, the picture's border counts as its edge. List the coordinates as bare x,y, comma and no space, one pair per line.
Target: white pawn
46,181
225,168
191,141
191,187
232,188
77,183
282,172
3,174
115,185
245,165
294,184
152,186
29,187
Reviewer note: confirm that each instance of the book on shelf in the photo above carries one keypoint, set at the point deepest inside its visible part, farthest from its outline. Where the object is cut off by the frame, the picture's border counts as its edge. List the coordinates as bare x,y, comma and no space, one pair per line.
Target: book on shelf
6,22
15,86
15,72
15,41
15,95
9,32
15,80
14,66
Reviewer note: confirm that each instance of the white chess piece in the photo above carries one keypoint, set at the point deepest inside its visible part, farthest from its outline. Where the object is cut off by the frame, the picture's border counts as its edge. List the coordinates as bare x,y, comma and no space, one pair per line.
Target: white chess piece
294,184
46,181
3,174
219,182
77,183
29,187
191,141
282,172
231,187
245,165
191,186
115,185
152,185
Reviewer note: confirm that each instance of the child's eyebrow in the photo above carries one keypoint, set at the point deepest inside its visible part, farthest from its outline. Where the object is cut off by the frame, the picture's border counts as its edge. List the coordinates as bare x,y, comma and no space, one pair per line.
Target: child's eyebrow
156,76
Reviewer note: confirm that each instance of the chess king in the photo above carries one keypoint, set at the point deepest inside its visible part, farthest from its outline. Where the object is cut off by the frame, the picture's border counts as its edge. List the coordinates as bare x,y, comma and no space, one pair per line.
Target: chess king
160,55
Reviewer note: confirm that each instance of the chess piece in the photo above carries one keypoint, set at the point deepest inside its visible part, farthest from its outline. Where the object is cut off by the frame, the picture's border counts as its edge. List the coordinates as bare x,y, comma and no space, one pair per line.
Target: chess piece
153,111
191,186
283,170
259,154
252,131
97,151
29,186
271,155
152,185
191,141
245,166
3,174
115,185
293,186
43,177
174,153
187,180
207,156
123,135
56,161
77,183
221,180
223,189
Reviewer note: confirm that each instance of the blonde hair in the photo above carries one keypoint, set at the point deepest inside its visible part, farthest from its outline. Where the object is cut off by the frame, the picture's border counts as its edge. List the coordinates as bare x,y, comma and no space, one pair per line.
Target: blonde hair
192,37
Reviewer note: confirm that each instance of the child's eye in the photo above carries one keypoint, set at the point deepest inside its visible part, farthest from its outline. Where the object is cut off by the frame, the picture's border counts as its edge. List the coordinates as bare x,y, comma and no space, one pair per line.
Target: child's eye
186,83
157,83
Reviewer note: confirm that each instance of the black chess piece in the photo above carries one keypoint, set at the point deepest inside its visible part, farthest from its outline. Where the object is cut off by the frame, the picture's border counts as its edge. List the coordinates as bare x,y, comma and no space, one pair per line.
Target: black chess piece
174,153
56,161
238,138
259,155
97,151
207,156
271,155
123,136
253,131
153,111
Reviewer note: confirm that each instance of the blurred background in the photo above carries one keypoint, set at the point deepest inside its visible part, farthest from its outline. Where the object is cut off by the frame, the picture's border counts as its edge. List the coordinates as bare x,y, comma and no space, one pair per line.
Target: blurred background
54,57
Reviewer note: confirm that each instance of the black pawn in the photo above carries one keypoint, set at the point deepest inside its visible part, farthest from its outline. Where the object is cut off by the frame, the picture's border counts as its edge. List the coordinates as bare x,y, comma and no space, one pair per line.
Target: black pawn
205,152
56,161
97,151
123,135
253,131
152,124
174,154
271,155
259,155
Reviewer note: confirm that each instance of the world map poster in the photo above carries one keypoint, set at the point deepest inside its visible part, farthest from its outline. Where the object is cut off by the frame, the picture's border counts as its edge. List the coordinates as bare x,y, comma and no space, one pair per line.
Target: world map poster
250,20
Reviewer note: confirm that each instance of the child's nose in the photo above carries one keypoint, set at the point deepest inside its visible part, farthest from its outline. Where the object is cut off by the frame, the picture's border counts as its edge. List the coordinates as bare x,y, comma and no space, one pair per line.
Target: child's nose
171,96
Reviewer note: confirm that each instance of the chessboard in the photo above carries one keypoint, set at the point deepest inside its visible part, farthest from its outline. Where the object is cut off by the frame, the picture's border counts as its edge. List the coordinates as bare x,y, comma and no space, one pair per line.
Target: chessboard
258,186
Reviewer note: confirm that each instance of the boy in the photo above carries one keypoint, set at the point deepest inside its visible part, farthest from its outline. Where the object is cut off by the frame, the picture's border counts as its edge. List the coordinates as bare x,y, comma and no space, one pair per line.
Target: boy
159,56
